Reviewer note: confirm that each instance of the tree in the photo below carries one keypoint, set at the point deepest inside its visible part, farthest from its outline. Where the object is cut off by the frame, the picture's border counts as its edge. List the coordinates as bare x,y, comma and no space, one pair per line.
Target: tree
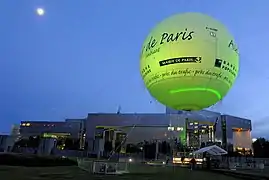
86,146
33,142
72,144
261,148
107,148
131,148
117,146
182,148
150,150
68,143
203,145
165,148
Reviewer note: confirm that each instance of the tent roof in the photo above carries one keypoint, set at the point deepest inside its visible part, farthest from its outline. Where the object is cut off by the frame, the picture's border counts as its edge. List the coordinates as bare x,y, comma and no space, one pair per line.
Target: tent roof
213,150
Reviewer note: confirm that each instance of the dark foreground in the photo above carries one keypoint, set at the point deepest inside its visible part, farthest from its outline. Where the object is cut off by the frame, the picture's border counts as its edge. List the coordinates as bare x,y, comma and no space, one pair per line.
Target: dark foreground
74,173
32,160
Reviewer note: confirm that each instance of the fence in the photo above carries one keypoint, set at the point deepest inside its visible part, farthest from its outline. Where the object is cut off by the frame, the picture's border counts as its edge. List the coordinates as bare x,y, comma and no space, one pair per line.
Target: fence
244,163
265,161
102,166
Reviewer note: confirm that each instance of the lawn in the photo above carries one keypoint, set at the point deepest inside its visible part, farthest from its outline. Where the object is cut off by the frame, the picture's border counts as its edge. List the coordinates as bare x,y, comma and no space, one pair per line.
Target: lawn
74,173
31,160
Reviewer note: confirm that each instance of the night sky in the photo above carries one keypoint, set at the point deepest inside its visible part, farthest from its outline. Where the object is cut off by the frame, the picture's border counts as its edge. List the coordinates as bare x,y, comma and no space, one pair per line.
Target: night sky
83,56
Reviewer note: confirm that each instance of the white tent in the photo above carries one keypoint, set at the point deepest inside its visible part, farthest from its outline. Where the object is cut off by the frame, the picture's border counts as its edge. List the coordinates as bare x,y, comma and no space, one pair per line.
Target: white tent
212,150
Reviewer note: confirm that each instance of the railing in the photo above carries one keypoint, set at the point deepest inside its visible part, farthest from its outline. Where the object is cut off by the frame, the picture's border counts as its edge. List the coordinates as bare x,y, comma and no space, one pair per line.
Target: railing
246,166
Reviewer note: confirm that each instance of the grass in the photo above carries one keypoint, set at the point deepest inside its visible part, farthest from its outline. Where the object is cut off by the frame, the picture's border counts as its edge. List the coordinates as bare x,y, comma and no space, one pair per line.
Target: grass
12,159
264,172
60,171
74,173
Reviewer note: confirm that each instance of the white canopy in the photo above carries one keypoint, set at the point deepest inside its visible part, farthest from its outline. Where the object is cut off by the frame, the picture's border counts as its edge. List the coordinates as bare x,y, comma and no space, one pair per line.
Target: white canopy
213,150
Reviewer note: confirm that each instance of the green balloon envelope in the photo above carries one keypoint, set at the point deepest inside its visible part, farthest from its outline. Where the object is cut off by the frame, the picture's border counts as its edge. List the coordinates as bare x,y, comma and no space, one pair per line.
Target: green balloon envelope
189,61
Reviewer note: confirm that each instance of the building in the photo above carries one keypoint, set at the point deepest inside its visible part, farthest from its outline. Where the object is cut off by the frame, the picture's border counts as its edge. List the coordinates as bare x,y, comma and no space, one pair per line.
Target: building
238,130
194,129
52,132
138,127
73,128
6,143
15,130
3,142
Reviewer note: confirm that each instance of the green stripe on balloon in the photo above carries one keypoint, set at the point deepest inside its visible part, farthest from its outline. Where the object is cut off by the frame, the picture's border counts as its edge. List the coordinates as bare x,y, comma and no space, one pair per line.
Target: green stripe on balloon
197,89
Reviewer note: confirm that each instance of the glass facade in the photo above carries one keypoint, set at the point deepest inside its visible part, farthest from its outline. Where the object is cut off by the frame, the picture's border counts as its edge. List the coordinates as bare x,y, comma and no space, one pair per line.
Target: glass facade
193,129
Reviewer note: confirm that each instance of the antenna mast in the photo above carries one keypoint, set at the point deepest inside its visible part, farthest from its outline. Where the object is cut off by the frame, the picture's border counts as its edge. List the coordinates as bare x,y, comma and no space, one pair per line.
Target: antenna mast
119,110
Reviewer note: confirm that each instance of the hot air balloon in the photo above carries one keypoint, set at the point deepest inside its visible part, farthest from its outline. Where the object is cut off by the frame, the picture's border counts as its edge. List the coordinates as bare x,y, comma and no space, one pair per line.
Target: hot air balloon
189,61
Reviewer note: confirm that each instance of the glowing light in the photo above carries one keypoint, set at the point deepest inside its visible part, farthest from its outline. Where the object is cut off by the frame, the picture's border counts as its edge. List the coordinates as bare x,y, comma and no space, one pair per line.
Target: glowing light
197,89
40,11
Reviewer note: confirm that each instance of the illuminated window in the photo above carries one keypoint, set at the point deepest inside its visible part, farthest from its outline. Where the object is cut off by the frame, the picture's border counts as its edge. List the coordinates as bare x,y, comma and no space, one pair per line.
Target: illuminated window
171,128
46,135
195,123
179,128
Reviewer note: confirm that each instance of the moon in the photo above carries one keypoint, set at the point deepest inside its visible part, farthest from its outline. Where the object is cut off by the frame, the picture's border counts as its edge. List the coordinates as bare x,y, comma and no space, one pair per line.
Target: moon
40,11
